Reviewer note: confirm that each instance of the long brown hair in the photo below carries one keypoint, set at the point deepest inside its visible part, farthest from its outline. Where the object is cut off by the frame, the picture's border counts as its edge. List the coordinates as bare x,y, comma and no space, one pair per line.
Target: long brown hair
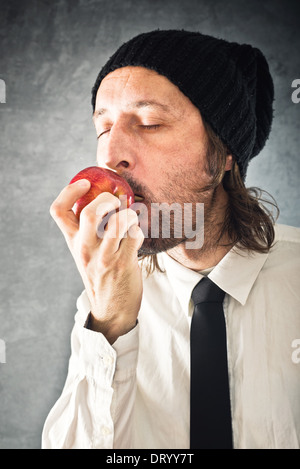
248,220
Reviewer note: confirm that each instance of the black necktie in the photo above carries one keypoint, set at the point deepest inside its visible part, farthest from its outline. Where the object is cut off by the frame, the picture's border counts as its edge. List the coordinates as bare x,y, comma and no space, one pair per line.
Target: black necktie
210,400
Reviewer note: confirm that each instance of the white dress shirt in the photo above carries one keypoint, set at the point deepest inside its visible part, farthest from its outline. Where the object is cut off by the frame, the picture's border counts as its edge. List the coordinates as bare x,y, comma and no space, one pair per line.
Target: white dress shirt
135,393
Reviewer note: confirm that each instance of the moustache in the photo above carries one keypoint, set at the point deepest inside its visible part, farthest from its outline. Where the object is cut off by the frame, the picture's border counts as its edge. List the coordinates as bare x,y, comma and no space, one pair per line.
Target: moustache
138,189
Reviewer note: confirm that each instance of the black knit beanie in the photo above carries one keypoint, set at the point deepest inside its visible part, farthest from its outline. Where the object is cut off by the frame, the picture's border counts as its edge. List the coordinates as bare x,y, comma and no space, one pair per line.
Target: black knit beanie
229,83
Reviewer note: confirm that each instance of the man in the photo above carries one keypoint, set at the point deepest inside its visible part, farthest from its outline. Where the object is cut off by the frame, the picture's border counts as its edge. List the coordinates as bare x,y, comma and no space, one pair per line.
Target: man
179,115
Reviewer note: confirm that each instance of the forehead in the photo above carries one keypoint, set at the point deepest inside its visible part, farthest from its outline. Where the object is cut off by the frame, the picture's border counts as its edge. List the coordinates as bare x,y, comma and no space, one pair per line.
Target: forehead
128,85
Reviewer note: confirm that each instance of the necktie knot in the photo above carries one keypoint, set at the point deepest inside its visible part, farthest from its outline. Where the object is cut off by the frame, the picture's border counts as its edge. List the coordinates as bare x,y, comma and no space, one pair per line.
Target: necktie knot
206,291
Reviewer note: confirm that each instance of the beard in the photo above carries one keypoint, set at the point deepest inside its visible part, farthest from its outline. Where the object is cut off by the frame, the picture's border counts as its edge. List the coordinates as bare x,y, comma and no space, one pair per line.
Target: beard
182,215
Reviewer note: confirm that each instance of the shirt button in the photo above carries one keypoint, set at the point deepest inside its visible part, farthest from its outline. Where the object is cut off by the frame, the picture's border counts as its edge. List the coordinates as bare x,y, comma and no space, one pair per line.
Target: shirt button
107,360
105,431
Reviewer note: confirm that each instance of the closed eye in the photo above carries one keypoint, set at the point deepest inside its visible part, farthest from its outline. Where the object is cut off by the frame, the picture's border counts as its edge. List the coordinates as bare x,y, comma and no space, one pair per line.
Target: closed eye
102,133
145,127
151,127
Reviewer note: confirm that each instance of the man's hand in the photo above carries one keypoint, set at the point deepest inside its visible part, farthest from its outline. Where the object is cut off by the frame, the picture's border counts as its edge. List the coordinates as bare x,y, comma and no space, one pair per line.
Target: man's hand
108,265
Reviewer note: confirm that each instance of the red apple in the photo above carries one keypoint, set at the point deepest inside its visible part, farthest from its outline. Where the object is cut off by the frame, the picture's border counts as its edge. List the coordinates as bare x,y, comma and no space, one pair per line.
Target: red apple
102,180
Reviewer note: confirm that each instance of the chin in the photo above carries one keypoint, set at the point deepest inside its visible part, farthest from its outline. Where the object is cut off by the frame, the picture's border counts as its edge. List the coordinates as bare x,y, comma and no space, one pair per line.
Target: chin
157,245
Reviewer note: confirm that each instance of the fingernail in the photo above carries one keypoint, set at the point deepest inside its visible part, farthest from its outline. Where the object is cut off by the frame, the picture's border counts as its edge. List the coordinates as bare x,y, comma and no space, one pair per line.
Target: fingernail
83,183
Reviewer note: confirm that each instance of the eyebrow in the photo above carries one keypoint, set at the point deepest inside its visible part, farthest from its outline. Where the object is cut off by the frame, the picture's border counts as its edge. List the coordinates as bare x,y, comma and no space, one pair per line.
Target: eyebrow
137,105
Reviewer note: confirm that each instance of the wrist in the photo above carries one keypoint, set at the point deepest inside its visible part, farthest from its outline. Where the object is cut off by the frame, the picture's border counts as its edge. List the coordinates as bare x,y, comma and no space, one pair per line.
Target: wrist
111,331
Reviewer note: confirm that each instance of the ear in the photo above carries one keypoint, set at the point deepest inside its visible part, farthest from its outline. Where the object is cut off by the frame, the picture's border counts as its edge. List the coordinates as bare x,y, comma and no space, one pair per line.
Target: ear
229,163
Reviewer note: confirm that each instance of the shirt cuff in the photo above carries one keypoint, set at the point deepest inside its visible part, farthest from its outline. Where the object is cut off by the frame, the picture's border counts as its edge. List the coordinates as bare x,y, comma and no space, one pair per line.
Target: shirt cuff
119,360
126,347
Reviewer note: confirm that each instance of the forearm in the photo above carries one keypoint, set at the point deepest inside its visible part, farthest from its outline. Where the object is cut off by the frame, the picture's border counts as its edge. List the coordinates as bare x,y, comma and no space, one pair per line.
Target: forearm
95,407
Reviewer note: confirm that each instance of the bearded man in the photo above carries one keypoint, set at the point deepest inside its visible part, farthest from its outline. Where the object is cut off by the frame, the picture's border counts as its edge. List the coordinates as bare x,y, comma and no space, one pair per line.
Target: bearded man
157,363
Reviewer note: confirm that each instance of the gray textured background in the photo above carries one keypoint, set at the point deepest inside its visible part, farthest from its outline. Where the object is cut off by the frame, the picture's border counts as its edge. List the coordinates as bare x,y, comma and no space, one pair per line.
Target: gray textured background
50,54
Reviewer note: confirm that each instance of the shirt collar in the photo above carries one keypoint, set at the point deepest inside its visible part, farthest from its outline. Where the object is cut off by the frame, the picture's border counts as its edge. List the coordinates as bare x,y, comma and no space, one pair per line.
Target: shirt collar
182,280
235,274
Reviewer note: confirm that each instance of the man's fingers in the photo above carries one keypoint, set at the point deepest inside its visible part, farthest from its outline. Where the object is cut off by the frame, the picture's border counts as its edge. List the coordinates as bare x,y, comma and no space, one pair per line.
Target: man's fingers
61,208
125,247
116,229
134,240
96,214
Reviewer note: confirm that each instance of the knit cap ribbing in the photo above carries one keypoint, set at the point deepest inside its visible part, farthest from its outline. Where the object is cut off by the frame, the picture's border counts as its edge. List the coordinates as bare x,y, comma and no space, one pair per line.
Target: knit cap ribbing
229,83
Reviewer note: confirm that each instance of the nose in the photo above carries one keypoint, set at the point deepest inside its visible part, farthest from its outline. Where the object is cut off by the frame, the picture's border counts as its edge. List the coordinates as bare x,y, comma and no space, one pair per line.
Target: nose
117,151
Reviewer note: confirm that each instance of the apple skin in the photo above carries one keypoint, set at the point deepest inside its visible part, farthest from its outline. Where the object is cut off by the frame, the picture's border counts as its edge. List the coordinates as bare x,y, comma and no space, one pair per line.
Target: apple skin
102,180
